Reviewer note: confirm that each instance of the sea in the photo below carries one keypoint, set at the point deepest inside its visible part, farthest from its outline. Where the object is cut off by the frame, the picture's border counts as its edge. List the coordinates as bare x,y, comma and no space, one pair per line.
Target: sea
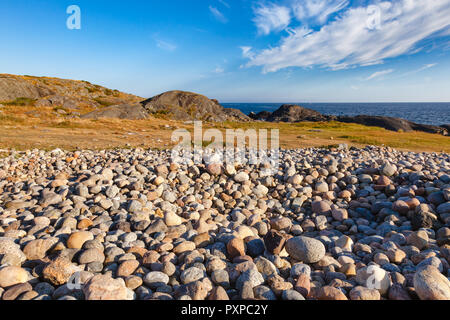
423,113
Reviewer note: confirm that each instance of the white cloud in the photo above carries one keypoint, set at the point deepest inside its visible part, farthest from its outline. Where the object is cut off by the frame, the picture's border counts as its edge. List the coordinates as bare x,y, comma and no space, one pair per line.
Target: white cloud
219,70
271,17
425,67
247,52
379,74
347,41
317,10
224,3
165,45
217,14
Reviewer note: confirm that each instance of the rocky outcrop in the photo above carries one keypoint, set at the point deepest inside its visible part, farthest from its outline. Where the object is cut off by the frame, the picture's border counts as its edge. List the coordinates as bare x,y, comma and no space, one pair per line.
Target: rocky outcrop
124,111
182,105
393,124
294,113
57,100
236,114
55,92
13,87
261,116
290,113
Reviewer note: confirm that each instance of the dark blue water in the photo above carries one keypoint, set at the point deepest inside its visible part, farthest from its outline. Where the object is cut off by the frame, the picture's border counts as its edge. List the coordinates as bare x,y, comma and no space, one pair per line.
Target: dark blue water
425,113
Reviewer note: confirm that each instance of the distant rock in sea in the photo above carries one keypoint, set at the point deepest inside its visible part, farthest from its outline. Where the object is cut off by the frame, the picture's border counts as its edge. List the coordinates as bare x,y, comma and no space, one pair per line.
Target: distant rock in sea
393,124
295,113
262,116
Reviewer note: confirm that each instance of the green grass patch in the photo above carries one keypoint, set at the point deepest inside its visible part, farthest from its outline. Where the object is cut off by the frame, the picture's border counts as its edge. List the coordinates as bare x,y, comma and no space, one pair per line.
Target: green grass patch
109,92
68,125
91,90
11,118
20,102
161,114
103,102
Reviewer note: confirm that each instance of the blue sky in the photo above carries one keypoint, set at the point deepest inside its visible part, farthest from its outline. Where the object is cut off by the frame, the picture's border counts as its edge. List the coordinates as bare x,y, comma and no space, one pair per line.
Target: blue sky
238,50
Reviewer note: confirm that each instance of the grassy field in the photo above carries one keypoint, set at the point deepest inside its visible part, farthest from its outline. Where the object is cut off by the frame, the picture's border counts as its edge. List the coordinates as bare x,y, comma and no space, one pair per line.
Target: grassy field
26,127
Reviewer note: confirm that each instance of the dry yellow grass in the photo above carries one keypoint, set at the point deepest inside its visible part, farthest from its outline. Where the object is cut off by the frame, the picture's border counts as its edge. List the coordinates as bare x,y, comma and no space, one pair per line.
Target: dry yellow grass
26,127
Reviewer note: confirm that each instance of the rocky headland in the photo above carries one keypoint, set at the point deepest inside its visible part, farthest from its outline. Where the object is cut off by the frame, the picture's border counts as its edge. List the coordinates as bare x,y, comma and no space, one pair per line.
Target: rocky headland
176,105
295,113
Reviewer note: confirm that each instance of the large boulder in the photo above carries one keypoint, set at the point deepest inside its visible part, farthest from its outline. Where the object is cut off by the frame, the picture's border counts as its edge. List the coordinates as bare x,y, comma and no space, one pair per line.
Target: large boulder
57,101
188,106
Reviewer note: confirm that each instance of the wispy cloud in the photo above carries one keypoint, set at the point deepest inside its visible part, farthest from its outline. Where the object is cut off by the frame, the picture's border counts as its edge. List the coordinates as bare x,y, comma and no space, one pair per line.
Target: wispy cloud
224,3
348,41
247,52
219,70
165,45
217,14
271,17
317,10
379,74
425,67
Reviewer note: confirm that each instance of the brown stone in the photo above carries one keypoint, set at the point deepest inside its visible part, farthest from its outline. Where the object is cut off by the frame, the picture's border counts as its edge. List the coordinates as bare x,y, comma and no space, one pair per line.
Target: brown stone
214,169
127,268
330,293
150,257
202,240
183,247
59,271
274,241
397,292
396,256
133,282
16,290
383,181
303,285
12,275
37,249
29,295
84,224
77,239
349,269
345,194
400,207
218,293
236,247
430,284
278,284
103,287
139,252
152,195
363,293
